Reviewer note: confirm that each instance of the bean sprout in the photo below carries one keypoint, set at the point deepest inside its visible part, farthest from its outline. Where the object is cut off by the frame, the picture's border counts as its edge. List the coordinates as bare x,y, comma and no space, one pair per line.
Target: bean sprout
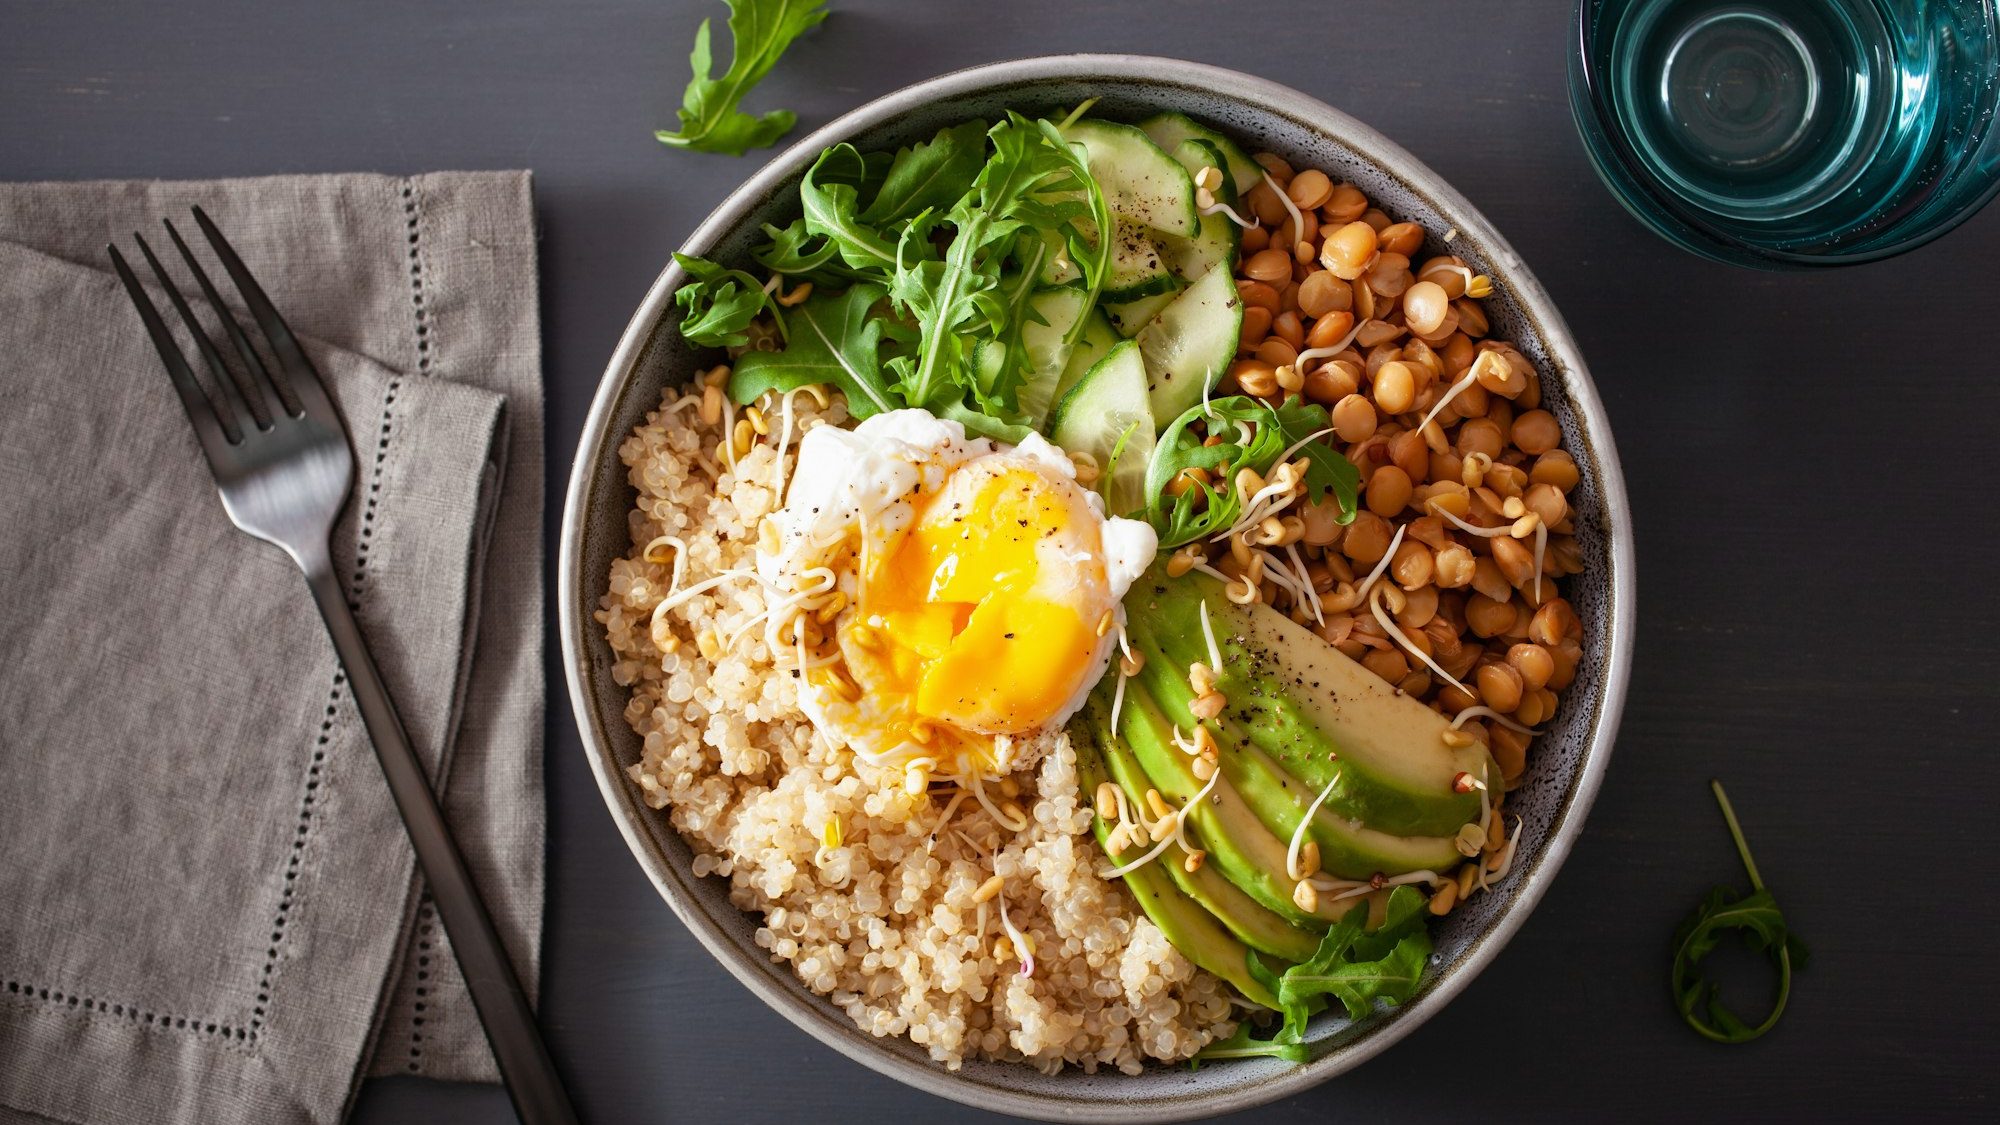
1019,939
1490,713
1469,529
1292,209
1221,208
1332,349
1208,634
1465,381
1306,582
1176,836
992,810
1389,626
1292,869
680,557
1392,881
1382,564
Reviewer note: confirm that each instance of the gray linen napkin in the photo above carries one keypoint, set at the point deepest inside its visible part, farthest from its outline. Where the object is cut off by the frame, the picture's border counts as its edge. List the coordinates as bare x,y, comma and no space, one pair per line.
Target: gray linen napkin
208,909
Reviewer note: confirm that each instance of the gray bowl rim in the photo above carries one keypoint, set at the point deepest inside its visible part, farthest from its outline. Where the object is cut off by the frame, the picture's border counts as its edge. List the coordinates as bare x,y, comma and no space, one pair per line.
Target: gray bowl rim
769,981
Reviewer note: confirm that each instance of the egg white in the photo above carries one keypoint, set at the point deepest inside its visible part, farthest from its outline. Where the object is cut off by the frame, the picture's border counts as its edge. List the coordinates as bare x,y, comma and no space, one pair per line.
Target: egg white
855,492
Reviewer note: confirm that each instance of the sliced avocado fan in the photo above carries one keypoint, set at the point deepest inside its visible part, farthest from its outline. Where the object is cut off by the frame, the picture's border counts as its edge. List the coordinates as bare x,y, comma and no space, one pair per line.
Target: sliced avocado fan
1319,716
1303,725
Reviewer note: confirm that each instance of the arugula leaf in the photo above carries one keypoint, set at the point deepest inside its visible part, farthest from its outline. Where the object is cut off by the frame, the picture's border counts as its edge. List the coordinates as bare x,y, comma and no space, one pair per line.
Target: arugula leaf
1245,1044
1359,968
1254,434
718,304
1762,929
1352,965
793,249
1088,213
1032,181
1006,308
759,32
954,231
834,339
930,176
956,235
1326,468
831,194
978,423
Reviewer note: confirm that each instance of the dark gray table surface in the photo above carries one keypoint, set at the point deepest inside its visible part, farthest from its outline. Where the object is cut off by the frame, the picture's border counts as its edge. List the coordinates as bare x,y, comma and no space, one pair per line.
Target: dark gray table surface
1818,619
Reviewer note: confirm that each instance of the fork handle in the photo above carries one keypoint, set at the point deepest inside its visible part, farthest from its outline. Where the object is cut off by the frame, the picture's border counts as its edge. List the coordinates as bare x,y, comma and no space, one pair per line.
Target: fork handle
525,1065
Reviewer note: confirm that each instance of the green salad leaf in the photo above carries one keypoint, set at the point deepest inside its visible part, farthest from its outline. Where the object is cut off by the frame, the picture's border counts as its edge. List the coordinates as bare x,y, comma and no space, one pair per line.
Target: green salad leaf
1254,435
831,194
1358,968
1001,360
1761,926
954,297
929,176
1246,1044
1353,965
978,423
718,304
1284,1043
759,32
954,232
834,338
797,251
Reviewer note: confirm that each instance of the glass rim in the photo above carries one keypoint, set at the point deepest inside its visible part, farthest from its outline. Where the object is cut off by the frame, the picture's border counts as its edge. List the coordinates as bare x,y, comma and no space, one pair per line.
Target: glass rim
1640,193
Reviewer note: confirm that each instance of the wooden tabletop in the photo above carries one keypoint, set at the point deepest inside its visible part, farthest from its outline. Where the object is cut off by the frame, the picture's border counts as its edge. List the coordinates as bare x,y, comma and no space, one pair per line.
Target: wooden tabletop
1818,619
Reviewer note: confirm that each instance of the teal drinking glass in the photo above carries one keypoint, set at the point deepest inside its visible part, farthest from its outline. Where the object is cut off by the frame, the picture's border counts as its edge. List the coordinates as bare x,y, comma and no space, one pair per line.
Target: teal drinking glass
1791,133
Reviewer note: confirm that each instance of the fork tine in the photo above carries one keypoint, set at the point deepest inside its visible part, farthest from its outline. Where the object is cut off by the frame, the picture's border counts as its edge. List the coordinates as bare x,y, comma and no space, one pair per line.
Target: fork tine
302,380
237,410
260,389
208,428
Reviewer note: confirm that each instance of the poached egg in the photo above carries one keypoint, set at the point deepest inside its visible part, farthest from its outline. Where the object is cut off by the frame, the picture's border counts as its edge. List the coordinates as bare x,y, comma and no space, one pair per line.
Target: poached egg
980,588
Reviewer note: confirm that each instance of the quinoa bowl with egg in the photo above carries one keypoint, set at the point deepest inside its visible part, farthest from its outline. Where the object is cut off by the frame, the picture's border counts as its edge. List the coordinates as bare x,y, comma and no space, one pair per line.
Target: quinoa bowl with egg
949,941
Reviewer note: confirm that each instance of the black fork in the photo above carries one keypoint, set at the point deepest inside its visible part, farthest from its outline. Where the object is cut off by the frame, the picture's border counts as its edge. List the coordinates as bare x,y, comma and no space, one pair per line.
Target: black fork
279,454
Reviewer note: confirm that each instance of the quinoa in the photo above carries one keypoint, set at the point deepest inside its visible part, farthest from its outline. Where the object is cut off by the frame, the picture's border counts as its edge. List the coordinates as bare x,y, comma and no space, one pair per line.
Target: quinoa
862,891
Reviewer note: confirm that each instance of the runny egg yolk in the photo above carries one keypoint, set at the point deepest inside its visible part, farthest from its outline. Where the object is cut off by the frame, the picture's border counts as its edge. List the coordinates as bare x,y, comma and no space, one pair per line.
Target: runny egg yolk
981,619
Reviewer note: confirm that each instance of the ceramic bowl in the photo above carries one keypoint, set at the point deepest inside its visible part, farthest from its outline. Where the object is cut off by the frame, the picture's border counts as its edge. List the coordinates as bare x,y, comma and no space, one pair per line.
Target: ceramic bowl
1566,766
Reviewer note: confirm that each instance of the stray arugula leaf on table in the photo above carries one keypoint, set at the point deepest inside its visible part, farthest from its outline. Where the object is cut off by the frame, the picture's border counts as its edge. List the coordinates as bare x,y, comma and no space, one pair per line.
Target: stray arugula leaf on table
759,32
1763,930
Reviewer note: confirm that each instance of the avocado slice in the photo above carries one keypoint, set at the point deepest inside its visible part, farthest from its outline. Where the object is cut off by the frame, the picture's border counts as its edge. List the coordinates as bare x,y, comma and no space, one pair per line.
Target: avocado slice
1298,698
1255,926
1347,848
1239,844
1192,930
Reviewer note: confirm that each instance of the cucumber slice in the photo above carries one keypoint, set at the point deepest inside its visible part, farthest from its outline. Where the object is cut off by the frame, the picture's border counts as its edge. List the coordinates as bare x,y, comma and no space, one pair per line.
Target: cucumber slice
1216,244
1140,181
1190,342
1048,348
1168,130
1107,407
1138,267
988,358
1095,343
1130,316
